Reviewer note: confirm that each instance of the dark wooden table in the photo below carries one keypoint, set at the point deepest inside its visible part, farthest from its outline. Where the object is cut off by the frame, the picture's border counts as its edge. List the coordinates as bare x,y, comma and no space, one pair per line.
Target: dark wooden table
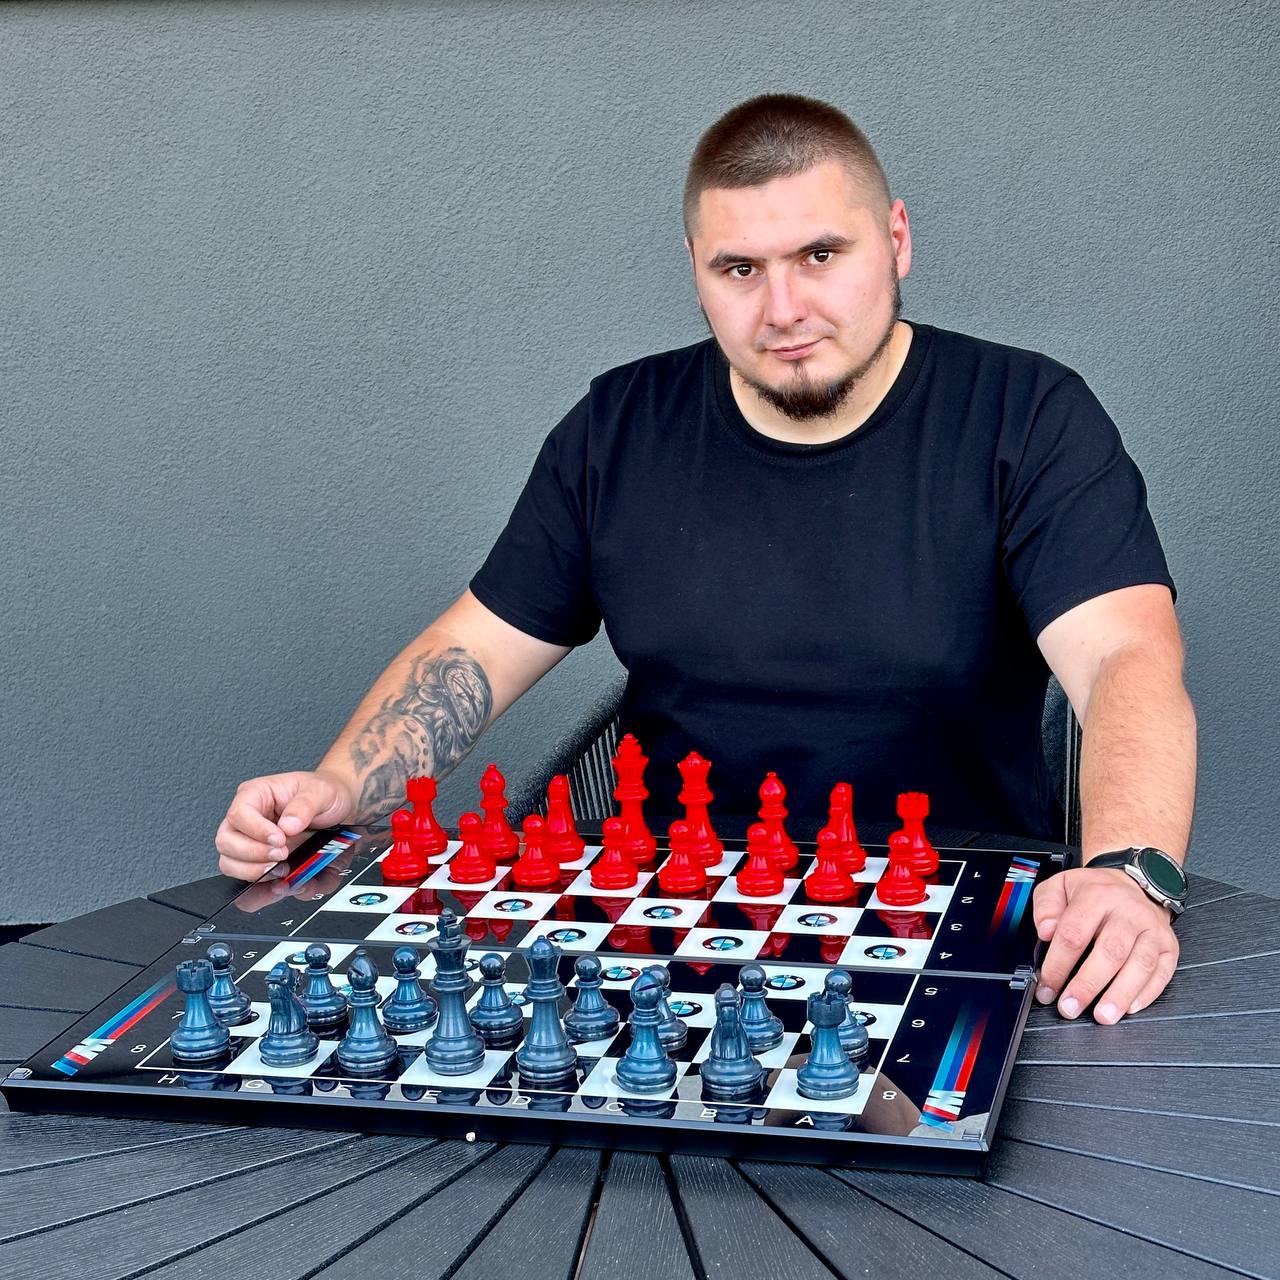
1151,1148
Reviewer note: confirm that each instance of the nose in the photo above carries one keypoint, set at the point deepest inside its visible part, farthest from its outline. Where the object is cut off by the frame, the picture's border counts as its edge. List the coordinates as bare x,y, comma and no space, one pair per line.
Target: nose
783,306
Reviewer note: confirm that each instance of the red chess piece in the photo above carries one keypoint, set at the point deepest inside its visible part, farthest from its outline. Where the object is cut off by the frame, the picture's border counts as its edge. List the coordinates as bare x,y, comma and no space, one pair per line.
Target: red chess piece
613,869
773,814
913,809
831,946
900,886
533,869
781,858
612,908
906,924
840,820
759,878
629,764
500,842
681,873
402,864
563,843
695,795
472,863
428,836
828,881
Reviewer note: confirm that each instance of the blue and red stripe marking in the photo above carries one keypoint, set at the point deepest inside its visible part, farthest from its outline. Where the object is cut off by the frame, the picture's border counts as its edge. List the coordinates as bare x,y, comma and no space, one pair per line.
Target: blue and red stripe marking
111,1030
1019,882
315,864
951,1081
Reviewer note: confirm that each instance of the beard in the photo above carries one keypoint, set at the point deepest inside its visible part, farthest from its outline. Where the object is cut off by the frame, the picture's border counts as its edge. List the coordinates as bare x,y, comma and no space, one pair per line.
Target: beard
803,399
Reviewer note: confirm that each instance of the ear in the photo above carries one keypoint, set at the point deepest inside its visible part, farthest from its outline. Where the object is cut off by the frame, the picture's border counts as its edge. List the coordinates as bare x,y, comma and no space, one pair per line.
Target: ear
900,236
688,248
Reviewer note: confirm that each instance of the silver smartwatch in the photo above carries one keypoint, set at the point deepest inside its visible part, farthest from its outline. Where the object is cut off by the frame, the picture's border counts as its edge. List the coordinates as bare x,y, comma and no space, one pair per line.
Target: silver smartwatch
1159,875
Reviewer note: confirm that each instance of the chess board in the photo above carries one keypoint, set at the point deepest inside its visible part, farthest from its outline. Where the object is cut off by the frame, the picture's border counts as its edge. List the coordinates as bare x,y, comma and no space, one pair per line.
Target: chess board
943,989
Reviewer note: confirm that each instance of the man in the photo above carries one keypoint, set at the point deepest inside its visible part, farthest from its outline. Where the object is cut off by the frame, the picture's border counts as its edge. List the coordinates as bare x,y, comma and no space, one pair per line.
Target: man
826,542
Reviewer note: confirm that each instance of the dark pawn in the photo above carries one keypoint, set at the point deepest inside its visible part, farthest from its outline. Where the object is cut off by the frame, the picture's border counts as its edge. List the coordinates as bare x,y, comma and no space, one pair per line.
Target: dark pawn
764,1029
853,1035
288,1042
546,1057
672,1031
366,1049
494,1016
729,1070
592,1016
826,1074
645,1067
408,1008
230,1005
454,1048
199,1036
326,1006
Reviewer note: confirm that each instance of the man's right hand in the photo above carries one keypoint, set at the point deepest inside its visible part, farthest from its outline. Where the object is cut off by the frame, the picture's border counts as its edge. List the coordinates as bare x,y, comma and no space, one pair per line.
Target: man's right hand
271,816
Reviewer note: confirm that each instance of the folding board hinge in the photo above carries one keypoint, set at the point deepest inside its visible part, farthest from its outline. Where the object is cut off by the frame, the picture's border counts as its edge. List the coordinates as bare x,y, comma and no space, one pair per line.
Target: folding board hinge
1023,976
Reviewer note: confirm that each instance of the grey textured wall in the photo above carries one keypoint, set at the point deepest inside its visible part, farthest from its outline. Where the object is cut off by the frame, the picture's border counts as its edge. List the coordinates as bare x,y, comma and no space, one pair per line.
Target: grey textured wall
290,293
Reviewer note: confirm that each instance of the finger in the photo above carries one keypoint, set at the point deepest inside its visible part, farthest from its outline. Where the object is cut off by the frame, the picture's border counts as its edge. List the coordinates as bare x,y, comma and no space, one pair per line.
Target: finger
247,869
1135,973
1110,953
1075,931
1165,969
232,844
1048,902
251,814
299,814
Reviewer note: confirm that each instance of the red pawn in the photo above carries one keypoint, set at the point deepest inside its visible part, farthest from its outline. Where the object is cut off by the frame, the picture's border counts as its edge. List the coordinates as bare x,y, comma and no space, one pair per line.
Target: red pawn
473,863
533,868
629,764
402,865
695,795
563,843
428,836
829,881
759,878
900,886
913,809
840,820
682,873
500,842
613,869
773,814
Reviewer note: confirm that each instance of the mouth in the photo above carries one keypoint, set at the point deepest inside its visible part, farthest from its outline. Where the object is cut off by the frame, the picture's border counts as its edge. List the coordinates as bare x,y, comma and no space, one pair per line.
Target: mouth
794,353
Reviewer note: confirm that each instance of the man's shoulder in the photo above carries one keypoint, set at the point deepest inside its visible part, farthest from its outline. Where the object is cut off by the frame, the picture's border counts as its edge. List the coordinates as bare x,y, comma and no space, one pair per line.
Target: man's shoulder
662,369
965,353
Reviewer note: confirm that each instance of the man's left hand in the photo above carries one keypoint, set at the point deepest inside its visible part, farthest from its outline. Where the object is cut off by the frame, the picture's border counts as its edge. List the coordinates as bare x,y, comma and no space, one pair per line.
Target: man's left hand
1133,953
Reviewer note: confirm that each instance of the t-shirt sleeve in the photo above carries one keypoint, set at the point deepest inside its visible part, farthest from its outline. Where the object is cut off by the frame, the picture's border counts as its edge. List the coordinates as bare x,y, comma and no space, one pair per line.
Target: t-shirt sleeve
537,577
1075,520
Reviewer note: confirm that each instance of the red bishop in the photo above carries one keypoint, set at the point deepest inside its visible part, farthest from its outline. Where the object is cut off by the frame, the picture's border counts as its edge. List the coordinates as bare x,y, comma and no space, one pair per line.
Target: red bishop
840,820
563,843
773,814
500,842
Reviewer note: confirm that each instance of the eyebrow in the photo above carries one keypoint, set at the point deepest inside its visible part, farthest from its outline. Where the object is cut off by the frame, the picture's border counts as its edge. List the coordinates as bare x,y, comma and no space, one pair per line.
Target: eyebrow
828,240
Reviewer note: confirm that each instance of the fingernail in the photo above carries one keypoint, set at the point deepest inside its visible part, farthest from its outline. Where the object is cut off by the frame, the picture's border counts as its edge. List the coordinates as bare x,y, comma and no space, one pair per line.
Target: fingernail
1108,1012
1135,1006
1047,927
1069,1007
1045,994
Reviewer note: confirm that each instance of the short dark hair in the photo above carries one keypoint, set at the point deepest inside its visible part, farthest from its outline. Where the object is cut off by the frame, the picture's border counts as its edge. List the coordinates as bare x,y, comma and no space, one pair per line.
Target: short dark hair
778,135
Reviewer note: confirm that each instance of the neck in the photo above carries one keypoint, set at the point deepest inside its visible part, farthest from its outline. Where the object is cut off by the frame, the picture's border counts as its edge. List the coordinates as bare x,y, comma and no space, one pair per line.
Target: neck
859,404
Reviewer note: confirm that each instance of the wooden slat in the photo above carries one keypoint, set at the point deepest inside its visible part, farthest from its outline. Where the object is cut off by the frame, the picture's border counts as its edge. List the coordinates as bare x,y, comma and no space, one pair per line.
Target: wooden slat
1245,924
636,1234
135,932
24,1031
37,978
855,1235
1203,889
1021,1237
1241,1040
1222,1225
734,1231
431,1238
1241,1093
123,1243
202,898
35,1200
1240,1154
36,1141
543,1231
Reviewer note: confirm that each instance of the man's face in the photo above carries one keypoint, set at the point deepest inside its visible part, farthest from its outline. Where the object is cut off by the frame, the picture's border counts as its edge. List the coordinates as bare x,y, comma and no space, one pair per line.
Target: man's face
798,281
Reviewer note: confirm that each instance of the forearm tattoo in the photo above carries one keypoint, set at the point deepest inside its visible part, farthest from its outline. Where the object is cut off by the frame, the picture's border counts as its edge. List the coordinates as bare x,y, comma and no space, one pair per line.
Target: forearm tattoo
425,729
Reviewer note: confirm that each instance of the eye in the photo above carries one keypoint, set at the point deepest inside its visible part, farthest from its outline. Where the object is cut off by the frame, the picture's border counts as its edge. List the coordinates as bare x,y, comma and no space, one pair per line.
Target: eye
823,255
733,271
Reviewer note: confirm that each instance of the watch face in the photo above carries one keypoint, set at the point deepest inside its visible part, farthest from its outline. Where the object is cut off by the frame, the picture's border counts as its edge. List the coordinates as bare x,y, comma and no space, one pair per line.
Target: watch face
1163,872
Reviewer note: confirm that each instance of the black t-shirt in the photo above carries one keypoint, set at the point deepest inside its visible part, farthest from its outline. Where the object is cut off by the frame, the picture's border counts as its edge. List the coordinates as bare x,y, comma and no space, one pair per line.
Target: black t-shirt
862,611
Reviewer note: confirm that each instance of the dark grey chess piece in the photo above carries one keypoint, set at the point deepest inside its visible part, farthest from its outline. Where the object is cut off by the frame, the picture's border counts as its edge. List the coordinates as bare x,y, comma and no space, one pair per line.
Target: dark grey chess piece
498,1020
826,1075
366,1049
672,1031
199,1036
408,1008
764,1029
730,1071
454,1048
546,1057
288,1042
326,1006
230,1005
645,1067
853,1035
592,1016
